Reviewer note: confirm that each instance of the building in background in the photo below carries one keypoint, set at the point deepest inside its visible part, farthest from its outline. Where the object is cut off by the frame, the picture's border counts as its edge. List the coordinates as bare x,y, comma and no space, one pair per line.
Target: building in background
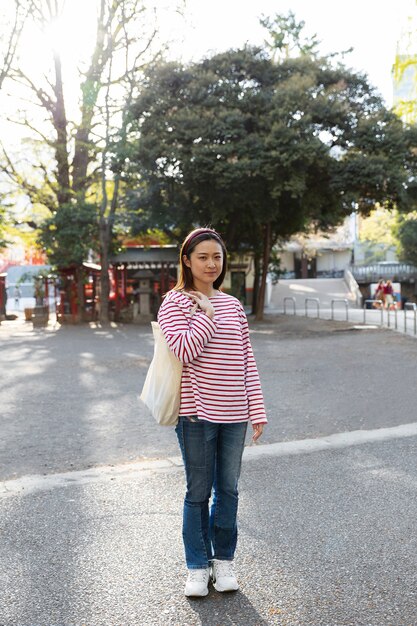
319,255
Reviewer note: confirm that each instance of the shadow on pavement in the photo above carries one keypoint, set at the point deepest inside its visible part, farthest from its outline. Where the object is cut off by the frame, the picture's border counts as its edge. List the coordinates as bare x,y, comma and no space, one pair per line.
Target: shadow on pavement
225,609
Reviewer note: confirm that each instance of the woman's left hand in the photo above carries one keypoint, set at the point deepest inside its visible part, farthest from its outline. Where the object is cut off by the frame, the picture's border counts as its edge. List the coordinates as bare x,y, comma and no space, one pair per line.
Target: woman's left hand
257,431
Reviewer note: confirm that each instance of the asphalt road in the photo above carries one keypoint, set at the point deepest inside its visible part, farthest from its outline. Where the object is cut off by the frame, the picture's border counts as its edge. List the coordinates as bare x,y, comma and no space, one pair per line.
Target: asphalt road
327,538
69,397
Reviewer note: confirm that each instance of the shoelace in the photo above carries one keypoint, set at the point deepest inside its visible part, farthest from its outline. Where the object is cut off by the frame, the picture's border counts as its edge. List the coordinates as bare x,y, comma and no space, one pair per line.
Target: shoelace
197,575
224,568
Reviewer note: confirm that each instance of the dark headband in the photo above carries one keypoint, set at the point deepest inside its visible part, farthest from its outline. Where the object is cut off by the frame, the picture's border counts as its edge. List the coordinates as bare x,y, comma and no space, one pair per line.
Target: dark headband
202,231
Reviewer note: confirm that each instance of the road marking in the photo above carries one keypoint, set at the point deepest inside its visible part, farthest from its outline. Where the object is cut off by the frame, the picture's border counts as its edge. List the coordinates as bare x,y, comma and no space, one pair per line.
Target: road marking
332,442
103,474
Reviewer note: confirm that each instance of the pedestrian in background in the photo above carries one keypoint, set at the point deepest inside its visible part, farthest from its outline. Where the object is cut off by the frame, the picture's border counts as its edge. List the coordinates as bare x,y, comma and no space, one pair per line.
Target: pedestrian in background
207,330
17,295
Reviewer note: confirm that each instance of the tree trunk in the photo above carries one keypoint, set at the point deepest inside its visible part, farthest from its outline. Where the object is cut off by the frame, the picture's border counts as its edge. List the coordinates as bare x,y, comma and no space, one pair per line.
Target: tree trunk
90,89
61,145
80,294
257,273
104,274
267,245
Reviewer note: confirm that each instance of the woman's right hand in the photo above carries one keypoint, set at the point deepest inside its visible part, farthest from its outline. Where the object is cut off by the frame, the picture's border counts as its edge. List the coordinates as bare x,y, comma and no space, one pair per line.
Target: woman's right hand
203,302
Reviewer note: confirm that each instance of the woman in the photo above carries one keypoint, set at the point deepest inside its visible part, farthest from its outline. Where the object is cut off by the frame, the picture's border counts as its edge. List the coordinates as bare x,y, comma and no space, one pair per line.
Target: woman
379,294
388,294
220,391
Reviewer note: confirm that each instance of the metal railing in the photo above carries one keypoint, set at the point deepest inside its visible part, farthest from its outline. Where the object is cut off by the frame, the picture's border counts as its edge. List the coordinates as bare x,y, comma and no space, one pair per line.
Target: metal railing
345,302
381,304
413,307
395,317
290,299
317,303
373,272
408,306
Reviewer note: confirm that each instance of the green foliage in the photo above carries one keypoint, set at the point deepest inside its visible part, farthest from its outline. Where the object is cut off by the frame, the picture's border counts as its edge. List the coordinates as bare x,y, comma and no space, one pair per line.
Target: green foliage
275,269
379,227
407,237
286,37
238,141
69,234
3,239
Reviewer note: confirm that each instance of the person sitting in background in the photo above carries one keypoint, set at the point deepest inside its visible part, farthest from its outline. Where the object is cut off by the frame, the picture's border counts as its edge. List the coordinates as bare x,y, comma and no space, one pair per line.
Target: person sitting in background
380,294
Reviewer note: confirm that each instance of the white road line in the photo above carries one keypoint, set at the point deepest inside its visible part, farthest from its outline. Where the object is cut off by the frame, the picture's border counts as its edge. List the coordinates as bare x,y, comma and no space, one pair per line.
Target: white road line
30,484
332,442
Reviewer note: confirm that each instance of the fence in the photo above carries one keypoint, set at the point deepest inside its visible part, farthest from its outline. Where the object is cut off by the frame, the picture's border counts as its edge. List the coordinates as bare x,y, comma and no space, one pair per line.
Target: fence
371,309
372,273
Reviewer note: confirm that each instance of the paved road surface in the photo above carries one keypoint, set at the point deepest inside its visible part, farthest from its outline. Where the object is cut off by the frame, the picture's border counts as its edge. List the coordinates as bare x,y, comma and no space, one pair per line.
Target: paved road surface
327,536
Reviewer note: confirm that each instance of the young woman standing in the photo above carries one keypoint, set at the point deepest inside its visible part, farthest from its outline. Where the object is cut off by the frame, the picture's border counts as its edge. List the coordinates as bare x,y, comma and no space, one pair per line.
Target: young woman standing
220,392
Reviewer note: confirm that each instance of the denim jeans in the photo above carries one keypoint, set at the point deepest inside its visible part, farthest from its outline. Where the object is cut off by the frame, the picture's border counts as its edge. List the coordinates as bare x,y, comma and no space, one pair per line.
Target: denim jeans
212,455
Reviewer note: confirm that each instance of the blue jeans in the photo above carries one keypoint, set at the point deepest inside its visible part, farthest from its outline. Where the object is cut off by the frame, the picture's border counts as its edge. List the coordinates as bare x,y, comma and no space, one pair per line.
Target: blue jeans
212,455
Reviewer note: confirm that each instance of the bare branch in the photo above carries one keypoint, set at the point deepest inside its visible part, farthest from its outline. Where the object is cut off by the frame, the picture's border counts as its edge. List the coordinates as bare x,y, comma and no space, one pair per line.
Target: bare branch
27,124
35,195
17,28
46,101
51,184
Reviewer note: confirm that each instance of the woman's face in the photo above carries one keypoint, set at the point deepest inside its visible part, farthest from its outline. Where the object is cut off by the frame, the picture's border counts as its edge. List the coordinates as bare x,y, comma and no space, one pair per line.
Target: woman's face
205,262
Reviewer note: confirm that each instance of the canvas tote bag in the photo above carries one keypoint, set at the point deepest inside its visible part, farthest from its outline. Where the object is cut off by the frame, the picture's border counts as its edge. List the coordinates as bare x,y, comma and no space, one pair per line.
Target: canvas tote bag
162,389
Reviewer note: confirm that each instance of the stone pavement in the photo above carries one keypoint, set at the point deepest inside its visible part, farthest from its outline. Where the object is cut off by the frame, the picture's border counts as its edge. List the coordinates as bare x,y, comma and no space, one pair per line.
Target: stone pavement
90,504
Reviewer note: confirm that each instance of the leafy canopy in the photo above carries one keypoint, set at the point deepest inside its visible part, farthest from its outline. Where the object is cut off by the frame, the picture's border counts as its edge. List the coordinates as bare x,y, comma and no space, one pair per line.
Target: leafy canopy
239,141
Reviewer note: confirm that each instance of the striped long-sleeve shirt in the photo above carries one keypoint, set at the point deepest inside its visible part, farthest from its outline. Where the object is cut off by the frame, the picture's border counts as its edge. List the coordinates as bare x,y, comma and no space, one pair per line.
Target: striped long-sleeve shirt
220,381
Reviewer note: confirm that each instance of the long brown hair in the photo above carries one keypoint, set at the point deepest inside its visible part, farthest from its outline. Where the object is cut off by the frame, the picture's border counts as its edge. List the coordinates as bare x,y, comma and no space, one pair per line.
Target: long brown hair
185,278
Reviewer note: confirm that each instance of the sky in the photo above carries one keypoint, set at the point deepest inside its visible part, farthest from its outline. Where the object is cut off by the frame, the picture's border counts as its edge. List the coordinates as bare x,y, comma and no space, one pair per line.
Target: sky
371,27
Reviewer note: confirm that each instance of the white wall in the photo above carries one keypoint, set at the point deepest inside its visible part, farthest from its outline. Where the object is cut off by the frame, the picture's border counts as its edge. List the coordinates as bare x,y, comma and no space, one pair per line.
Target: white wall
333,260
287,261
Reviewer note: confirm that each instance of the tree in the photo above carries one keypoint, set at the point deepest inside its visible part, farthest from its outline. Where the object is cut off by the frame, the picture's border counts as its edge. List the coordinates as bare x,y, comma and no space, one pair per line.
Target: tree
406,232
377,233
12,21
11,26
286,38
74,176
261,150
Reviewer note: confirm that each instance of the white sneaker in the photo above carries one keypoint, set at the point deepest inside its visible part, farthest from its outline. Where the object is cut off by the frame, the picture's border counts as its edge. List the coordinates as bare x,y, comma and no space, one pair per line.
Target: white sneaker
223,576
197,582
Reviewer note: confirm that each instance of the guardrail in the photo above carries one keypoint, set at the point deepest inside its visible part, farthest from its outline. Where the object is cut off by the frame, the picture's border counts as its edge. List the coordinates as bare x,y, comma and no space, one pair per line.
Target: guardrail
345,302
290,299
408,306
413,307
373,272
316,301
395,316
374,302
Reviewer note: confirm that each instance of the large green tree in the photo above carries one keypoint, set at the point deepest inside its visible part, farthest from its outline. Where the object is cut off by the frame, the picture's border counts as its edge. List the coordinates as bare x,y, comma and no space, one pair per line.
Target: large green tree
261,149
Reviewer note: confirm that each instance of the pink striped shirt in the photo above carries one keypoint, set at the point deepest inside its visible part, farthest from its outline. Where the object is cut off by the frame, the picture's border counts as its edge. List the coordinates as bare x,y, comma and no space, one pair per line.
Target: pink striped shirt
220,380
